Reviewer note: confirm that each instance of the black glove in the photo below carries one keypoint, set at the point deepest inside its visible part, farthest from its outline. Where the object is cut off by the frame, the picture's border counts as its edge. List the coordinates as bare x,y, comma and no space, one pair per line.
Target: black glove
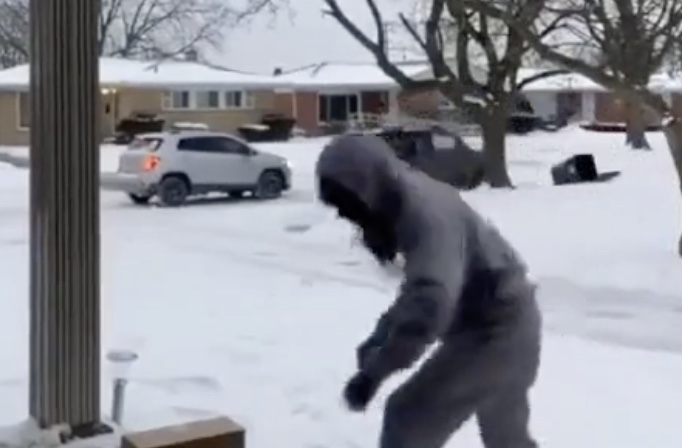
364,352
359,391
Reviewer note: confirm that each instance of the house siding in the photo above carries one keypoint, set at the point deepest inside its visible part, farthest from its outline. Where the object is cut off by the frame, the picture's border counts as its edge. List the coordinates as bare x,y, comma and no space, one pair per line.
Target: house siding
422,104
375,102
10,134
128,101
305,110
609,108
150,101
284,103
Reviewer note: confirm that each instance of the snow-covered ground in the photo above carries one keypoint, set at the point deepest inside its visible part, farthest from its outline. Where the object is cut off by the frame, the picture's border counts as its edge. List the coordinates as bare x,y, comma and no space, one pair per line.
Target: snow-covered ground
232,313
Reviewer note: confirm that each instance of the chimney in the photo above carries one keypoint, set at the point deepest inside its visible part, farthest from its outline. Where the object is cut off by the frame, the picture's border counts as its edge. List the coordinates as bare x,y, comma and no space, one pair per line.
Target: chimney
277,71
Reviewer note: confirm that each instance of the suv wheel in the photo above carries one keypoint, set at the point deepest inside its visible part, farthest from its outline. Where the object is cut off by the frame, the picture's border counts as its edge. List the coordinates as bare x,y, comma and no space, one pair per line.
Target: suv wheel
270,185
173,191
139,199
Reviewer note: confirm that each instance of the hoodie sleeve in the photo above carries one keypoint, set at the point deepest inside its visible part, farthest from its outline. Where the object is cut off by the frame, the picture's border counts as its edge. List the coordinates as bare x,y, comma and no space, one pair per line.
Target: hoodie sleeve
421,314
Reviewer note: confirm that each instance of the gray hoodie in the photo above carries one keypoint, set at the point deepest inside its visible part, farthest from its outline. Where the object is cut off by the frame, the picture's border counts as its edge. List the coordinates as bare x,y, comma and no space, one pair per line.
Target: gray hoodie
460,276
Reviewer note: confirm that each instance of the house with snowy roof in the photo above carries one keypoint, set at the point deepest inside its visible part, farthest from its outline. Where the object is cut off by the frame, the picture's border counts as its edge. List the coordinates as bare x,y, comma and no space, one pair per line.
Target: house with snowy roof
328,93
341,92
179,91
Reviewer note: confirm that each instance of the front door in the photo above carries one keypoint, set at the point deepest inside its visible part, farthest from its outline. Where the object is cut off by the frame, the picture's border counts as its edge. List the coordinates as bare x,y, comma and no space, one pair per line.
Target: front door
198,158
235,165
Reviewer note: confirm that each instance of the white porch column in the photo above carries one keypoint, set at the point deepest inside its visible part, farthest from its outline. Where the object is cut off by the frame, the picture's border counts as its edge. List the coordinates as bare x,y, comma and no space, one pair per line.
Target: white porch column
393,106
588,107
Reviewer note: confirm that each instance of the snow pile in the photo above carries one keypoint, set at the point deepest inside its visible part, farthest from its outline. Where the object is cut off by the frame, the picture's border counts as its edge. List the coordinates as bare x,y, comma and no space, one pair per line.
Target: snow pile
29,435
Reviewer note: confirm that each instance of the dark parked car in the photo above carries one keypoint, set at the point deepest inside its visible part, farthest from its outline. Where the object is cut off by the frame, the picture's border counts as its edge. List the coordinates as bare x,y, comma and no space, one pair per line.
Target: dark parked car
440,153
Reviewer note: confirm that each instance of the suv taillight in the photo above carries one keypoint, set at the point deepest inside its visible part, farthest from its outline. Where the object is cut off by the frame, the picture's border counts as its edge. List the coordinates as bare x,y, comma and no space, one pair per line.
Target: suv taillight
151,162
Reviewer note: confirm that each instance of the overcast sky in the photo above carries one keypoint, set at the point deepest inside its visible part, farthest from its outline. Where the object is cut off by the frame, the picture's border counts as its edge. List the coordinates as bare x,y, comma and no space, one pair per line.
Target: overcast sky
306,36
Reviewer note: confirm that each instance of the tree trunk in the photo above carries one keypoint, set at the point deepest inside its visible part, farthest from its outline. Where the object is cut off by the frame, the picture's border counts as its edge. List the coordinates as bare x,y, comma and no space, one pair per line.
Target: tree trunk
494,129
635,132
673,135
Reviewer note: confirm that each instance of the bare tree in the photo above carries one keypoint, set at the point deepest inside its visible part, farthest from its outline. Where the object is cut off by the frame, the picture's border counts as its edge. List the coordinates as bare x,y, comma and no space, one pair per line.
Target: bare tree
142,28
620,49
13,32
483,89
633,39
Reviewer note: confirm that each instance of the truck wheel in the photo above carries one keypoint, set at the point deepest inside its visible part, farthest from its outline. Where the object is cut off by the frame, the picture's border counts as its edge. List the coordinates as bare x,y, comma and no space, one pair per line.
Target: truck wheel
270,185
139,199
173,191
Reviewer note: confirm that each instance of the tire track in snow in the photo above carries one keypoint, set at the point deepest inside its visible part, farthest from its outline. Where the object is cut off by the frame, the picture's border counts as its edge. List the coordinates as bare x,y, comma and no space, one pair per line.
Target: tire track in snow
639,319
310,261
626,317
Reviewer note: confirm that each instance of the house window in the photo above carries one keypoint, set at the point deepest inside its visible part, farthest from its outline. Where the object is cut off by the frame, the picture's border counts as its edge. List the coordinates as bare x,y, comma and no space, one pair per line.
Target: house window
177,100
23,110
209,99
238,100
334,108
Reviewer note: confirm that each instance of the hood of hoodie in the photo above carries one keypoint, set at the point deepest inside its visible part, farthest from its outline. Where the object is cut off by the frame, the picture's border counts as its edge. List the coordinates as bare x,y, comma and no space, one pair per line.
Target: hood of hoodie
364,164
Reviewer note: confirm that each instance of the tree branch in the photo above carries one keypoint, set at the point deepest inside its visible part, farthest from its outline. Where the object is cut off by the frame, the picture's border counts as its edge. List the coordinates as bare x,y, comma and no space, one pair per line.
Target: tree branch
540,76
378,48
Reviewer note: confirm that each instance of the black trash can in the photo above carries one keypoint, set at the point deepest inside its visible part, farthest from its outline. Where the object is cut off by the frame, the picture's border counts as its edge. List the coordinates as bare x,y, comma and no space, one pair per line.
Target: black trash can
280,126
255,133
577,169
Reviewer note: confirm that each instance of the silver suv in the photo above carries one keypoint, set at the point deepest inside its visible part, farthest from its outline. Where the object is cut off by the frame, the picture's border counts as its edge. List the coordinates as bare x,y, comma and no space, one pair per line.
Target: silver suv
178,164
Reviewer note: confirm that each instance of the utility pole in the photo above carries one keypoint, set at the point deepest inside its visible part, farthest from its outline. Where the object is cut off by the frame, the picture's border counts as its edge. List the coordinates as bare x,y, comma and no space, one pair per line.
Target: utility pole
64,216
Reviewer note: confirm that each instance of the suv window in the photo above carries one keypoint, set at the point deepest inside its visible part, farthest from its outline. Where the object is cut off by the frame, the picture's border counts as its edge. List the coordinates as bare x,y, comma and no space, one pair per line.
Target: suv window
231,146
196,144
442,142
217,145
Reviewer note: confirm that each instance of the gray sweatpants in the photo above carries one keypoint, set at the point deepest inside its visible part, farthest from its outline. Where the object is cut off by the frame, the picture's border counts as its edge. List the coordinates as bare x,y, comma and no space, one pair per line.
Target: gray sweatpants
464,377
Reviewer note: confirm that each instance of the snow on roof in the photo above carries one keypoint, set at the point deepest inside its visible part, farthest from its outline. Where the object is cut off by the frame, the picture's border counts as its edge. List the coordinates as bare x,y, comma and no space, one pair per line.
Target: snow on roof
659,82
663,82
167,74
567,82
338,76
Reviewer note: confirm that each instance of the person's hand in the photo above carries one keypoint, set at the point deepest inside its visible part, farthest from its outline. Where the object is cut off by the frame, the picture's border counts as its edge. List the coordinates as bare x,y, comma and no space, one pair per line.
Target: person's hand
359,391
364,352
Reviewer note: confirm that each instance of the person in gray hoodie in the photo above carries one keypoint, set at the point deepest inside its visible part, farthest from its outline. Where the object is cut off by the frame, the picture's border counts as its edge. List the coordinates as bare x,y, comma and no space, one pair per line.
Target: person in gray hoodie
464,286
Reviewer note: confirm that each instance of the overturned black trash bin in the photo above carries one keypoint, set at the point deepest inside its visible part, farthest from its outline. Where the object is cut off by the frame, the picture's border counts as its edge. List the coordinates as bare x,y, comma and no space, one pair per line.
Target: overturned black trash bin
577,169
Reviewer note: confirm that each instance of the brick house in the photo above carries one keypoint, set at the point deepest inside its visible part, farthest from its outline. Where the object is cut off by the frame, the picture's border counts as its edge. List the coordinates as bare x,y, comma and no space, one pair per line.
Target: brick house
327,93
334,92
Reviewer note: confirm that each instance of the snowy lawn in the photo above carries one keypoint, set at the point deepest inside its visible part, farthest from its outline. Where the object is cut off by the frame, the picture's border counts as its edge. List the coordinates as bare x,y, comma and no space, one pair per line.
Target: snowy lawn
231,313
